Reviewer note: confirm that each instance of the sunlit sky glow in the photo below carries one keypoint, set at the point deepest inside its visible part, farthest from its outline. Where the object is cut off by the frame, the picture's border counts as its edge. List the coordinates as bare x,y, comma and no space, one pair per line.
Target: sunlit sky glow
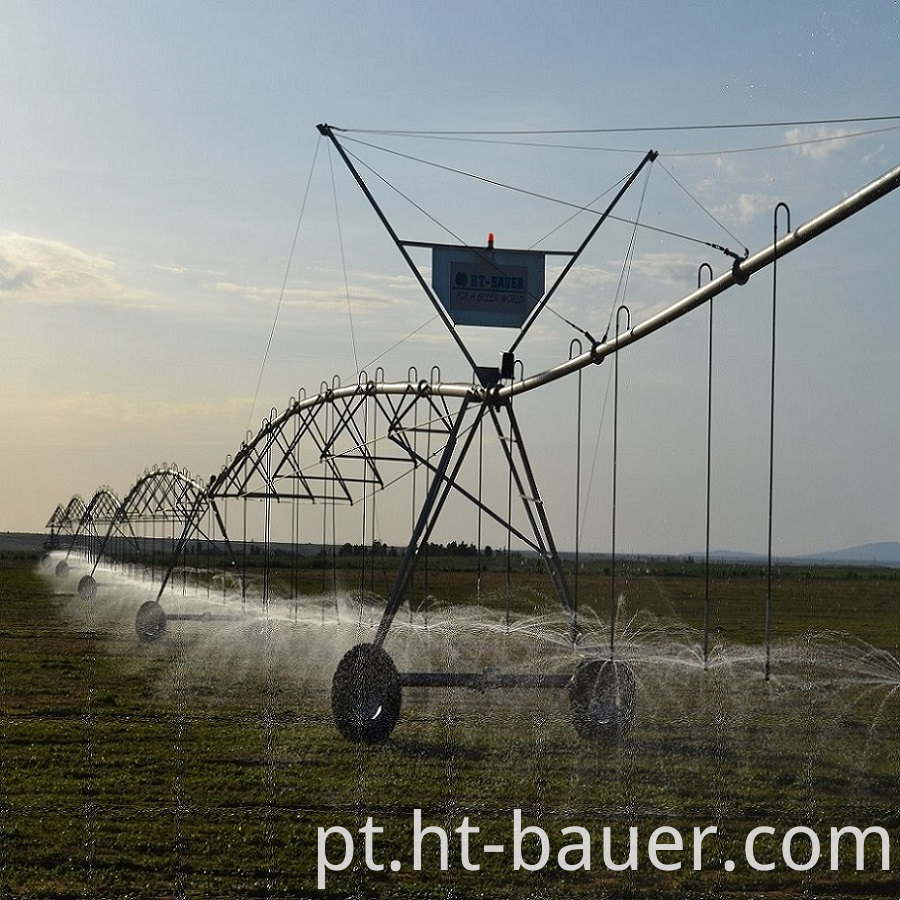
155,158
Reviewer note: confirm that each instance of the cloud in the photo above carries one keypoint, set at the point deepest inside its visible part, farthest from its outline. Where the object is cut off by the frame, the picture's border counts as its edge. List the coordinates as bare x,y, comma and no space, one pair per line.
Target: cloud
751,205
725,165
45,271
678,269
817,143
146,413
876,155
660,268
367,292
585,277
746,207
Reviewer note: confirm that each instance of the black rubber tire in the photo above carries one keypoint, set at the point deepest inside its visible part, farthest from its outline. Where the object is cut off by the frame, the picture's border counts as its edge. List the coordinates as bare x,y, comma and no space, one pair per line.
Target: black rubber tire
62,569
366,695
602,698
150,622
87,587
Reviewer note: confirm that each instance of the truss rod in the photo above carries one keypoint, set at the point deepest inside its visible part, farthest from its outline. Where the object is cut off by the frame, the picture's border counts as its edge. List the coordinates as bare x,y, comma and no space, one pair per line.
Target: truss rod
532,316
537,515
437,494
531,542
326,131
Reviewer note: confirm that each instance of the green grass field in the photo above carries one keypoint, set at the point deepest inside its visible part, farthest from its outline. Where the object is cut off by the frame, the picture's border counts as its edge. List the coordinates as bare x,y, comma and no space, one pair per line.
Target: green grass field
203,766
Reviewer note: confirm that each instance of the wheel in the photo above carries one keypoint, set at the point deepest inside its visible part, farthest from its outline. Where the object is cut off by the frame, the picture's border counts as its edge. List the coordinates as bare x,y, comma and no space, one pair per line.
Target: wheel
87,587
62,569
366,695
602,697
150,622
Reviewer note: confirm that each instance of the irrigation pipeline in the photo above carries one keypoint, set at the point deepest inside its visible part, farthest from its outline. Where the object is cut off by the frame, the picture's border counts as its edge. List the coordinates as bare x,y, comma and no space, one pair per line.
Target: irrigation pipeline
737,275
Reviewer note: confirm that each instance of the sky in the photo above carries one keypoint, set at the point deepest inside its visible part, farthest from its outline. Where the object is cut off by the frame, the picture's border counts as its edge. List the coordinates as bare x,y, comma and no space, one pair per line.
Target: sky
182,252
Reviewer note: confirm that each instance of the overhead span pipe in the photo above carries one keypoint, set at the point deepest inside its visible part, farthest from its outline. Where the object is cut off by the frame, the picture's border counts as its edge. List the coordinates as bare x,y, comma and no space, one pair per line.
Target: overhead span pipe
739,273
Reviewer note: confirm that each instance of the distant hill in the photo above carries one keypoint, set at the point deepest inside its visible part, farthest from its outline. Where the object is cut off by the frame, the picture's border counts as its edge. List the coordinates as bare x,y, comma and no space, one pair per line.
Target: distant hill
880,553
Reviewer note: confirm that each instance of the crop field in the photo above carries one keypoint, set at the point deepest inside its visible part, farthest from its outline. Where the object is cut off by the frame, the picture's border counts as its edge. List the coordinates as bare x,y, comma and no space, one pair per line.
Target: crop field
205,765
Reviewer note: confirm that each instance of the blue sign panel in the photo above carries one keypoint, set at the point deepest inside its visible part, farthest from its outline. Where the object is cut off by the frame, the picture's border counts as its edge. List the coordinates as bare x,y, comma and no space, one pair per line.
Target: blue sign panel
486,286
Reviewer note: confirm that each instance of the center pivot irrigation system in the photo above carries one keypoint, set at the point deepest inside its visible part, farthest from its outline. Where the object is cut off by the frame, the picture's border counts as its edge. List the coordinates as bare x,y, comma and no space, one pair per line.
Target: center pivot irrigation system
348,442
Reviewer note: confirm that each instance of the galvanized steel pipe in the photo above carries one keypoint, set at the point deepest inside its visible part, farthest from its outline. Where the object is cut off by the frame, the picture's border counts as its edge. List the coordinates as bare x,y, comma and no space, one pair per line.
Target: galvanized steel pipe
741,270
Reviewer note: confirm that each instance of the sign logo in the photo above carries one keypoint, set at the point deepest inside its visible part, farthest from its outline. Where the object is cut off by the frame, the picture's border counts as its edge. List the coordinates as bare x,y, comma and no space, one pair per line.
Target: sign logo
488,287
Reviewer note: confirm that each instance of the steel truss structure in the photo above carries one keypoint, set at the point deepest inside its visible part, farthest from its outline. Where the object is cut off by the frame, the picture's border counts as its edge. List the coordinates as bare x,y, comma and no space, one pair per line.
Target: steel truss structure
66,521
163,505
347,442
83,524
338,447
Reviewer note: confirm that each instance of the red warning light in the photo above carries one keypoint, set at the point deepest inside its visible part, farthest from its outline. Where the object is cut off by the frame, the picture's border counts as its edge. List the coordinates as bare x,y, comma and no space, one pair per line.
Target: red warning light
490,240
